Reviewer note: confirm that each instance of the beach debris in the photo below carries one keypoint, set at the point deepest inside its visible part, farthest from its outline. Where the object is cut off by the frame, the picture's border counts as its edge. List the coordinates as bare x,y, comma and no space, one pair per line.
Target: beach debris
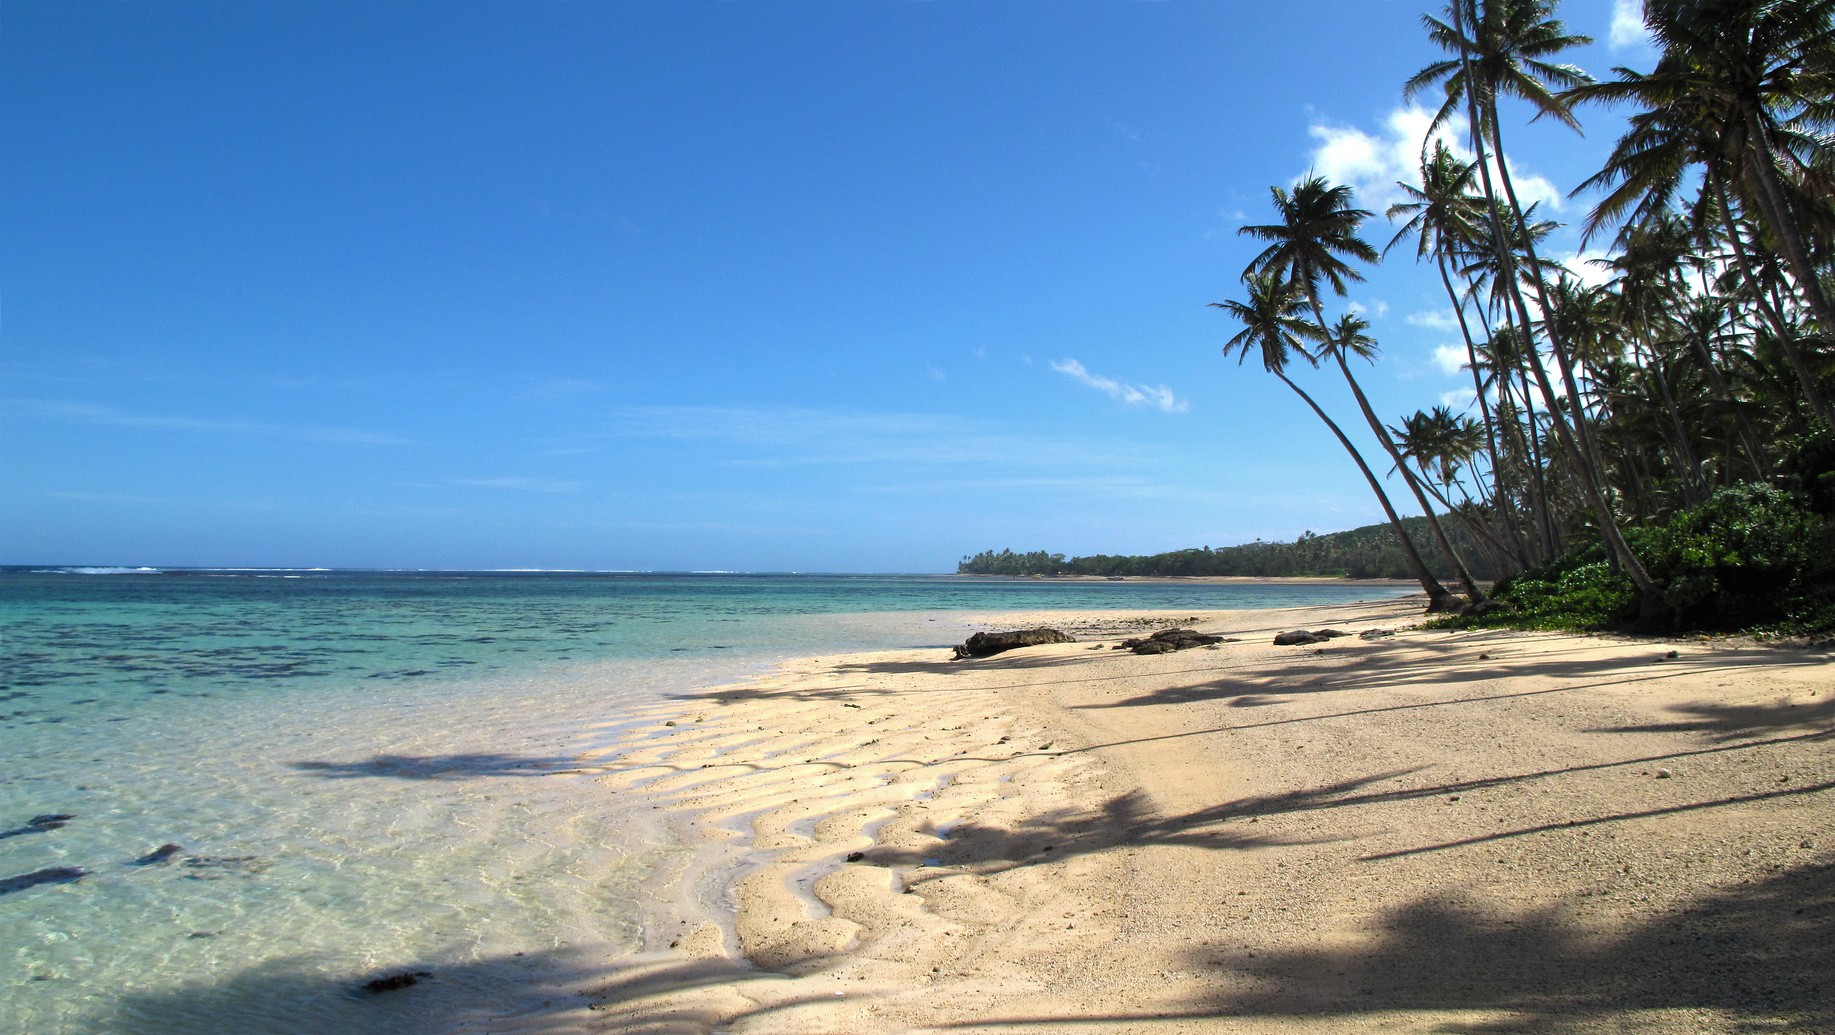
1664,774
855,857
1375,634
983,644
1168,640
40,824
53,875
1301,637
394,981
159,856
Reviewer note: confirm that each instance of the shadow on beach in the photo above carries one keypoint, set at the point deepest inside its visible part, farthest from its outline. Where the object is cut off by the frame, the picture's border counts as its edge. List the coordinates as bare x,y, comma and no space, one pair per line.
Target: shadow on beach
550,992
1762,953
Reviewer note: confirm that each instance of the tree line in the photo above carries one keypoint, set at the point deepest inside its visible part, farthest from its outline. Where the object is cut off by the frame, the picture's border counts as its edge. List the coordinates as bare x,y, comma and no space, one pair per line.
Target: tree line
1370,552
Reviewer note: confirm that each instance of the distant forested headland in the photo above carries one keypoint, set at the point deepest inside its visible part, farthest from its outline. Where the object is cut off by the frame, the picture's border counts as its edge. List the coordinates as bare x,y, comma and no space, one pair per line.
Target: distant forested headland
1370,552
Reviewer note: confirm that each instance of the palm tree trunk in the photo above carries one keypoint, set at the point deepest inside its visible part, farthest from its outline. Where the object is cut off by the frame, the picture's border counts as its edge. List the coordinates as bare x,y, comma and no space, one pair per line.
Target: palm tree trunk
1786,340
1499,500
1382,435
1761,168
1584,457
1437,595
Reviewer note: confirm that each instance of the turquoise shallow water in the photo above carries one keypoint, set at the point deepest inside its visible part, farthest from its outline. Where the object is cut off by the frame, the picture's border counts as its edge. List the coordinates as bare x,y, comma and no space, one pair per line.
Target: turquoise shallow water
348,763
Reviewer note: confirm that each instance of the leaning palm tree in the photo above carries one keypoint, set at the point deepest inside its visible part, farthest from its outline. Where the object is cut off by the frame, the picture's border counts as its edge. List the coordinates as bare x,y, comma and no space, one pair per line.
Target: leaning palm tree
1275,325
1749,68
1317,232
1346,338
1498,48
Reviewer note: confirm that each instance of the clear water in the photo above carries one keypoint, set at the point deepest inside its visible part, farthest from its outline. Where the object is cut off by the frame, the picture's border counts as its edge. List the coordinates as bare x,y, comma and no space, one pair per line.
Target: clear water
359,769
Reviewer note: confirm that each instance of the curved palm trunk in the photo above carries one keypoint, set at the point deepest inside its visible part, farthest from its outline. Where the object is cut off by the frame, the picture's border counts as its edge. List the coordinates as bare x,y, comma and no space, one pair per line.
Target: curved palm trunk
1761,168
1583,458
1786,340
1499,500
1436,593
1382,435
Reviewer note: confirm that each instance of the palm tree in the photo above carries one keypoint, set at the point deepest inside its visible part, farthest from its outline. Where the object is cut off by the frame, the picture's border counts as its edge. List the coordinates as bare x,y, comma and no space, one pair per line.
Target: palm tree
1347,337
1505,53
1732,92
1317,231
1274,323
1444,215
1748,69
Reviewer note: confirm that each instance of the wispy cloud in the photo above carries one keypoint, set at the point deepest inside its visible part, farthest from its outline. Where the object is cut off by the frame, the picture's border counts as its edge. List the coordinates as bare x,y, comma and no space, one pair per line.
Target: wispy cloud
1459,399
1159,397
560,388
519,484
90,413
1628,28
768,436
1437,320
1373,163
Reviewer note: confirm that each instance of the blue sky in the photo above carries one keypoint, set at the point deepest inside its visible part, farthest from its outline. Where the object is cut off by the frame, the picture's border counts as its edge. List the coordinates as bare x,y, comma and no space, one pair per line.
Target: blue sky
862,285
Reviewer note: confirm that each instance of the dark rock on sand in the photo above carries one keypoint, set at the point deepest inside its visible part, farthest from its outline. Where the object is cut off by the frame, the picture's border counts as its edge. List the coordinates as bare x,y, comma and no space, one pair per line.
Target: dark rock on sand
1168,640
394,981
158,856
54,875
1300,637
982,645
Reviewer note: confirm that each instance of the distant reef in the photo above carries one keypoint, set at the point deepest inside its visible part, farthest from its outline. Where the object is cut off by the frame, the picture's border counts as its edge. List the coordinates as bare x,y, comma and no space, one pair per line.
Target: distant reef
1370,552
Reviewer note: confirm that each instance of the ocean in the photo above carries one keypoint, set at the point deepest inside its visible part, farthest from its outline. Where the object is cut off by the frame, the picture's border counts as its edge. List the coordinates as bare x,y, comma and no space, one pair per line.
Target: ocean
230,798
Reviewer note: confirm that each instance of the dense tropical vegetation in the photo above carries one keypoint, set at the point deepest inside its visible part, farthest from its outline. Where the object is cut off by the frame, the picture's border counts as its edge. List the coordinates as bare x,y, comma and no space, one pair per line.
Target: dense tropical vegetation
1662,438
1654,447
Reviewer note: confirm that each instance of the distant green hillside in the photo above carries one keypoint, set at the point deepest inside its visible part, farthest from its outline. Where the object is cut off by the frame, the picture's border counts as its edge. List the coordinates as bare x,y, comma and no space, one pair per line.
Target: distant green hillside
1370,552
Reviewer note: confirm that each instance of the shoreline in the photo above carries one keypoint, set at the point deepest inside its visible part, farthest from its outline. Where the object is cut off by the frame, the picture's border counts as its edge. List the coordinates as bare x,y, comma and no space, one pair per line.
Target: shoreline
1060,837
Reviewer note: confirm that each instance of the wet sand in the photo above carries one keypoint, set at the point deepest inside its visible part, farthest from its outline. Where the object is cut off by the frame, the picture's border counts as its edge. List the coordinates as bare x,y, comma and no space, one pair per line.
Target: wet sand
1425,832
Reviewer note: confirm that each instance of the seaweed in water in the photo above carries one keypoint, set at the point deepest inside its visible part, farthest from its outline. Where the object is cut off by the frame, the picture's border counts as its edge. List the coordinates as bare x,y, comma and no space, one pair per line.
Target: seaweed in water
159,856
394,981
39,824
54,875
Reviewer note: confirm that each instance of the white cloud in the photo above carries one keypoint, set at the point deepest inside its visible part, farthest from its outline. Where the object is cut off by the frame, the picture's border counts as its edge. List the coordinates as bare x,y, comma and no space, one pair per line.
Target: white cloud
1451,359
1581,265
1375,307
1628,25
1160,398
1373,164
935,374
1439,320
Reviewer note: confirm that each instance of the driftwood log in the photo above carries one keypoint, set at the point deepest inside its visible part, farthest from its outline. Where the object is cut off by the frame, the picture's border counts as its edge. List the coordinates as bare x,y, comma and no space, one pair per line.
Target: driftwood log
981,645
1168,640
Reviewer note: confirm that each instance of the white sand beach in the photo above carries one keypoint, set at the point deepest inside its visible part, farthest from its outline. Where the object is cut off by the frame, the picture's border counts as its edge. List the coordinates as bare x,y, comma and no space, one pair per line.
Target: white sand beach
1430,831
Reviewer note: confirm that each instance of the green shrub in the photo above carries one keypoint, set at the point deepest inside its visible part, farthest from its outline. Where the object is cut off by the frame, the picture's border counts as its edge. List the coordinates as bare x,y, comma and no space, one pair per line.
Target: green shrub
1751,558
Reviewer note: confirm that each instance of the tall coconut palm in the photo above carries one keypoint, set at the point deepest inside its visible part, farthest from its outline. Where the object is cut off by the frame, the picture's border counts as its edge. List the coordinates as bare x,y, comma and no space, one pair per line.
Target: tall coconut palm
1317,232
1347,338
1275,325
1748,69
1505,52
1735,84
1444,215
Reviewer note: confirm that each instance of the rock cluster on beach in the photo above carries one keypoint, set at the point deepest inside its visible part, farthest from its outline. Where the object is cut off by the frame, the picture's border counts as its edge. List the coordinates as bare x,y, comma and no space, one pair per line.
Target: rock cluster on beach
984,644
1300,637
1168,640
